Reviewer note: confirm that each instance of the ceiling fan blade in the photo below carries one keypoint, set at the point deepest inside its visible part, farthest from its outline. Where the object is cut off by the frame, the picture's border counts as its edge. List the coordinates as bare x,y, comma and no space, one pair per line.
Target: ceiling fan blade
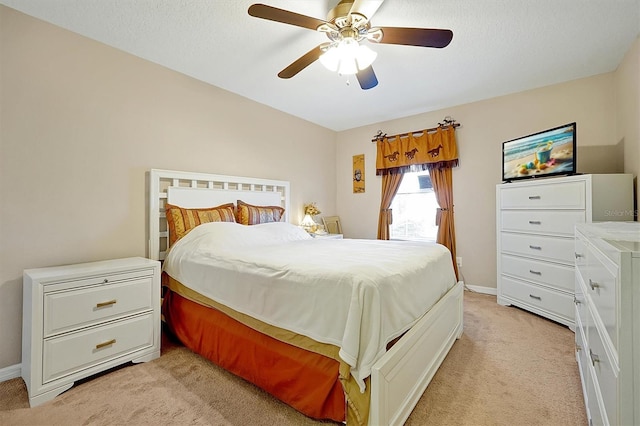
287,17
367,78
426,37
302,62
367,8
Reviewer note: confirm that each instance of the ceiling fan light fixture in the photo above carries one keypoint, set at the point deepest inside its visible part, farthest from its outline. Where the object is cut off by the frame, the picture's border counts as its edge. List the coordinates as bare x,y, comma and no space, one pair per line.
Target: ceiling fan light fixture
347,26
347,57
348,52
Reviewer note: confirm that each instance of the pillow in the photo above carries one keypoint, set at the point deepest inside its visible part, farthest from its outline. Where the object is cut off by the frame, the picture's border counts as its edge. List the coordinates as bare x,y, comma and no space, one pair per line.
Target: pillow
252,215
180,220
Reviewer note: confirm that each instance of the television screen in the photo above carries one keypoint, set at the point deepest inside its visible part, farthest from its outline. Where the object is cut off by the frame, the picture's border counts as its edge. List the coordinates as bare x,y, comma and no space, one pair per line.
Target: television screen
547,153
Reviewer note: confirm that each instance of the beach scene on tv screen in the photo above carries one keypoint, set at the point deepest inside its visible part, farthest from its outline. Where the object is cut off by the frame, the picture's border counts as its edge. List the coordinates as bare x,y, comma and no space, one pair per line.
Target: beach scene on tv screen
541,154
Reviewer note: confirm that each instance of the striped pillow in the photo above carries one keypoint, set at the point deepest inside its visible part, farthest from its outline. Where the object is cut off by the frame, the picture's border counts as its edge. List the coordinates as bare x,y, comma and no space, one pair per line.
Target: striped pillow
252,215
180,220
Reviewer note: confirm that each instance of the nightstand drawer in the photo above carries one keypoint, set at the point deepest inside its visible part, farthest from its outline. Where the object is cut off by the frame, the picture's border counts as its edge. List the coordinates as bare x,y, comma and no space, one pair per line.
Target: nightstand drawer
70,353
567,195
542,221
68,283
86,306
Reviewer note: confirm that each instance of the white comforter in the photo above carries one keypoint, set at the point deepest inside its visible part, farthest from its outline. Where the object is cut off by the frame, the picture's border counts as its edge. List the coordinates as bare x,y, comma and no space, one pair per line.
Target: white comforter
355,294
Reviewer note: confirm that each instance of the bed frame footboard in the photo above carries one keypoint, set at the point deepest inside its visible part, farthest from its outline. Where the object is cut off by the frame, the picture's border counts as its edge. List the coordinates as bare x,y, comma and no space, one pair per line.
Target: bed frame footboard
401,376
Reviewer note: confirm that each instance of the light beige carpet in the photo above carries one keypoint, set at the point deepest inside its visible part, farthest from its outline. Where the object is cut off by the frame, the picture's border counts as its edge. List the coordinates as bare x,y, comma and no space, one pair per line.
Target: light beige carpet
509,368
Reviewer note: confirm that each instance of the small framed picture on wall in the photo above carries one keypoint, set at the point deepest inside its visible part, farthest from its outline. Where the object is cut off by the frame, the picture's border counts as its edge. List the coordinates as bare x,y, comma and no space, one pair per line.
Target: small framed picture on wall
358,173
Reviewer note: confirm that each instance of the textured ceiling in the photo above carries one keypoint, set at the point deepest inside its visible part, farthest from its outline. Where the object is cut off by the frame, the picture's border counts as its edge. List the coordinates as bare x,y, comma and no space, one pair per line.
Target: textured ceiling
499,47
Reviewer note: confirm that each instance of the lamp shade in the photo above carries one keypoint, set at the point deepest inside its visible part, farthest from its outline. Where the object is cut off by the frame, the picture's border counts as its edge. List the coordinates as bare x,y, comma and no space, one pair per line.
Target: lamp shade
307,221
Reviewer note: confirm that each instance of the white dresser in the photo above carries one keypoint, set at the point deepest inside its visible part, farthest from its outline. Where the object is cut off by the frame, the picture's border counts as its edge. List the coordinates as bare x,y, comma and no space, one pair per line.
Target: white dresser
81,319
607,309
535,231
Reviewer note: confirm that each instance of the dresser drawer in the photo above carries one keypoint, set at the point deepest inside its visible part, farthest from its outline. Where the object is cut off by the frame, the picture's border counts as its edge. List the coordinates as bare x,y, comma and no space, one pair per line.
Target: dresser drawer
85,306
550,274
581,358
540,247
582,311
580,253
601,285
605,373
70,353
567,195
581,345
560,304
542,221
596,416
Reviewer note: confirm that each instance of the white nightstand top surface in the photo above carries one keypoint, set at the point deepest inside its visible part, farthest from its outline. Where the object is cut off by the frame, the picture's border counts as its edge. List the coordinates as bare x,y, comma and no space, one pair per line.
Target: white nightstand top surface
330,236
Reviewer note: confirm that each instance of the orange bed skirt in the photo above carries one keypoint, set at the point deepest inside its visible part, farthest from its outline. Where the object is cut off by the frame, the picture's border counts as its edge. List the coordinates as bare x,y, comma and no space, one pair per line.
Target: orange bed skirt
306,381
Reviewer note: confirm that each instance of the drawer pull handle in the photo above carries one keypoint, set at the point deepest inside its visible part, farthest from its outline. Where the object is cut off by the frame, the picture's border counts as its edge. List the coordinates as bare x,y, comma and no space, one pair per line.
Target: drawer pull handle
534,197
576,301
594,358
593,284
107,343
535,247
578,255
105,281
535,272
108,303
535,222
535,297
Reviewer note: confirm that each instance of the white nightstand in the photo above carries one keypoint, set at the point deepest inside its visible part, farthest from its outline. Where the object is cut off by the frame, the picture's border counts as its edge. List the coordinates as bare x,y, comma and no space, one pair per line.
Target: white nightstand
81,319
327,236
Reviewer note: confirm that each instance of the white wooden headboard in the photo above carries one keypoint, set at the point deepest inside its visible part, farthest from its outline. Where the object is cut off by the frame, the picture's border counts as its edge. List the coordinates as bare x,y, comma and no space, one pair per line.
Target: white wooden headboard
194,190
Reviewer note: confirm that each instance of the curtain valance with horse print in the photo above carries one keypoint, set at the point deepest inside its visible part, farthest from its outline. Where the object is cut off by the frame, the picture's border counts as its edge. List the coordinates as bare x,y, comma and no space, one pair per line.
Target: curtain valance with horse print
417,151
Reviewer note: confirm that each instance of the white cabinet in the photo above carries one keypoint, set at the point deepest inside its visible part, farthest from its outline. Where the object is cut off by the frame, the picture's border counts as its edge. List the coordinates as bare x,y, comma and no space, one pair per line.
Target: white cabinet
535,236
607,310
81,319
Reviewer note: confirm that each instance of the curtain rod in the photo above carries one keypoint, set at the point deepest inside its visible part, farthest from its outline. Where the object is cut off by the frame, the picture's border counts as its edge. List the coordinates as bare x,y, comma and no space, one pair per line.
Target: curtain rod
448,121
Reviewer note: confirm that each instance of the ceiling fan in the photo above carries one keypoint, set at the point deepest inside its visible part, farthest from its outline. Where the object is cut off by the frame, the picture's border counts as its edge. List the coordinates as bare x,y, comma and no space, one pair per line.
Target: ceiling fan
347,27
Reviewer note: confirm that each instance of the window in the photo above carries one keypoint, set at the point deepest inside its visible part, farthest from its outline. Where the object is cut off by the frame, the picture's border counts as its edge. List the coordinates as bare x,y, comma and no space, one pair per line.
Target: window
414,209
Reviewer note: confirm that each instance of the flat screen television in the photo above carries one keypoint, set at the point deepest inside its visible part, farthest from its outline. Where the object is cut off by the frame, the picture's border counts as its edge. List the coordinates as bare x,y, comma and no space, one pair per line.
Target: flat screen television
550,152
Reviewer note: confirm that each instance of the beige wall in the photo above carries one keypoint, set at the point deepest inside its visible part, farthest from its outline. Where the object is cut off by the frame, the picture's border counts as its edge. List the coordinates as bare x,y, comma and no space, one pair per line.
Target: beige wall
81,123
484,126
627,90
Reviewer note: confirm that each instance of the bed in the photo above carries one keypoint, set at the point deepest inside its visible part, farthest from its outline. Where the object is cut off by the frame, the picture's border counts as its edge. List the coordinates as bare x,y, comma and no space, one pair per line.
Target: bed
358,341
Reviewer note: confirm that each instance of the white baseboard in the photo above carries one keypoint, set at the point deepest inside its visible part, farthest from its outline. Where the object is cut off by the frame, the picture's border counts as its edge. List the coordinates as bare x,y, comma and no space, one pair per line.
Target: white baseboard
10,372
484,290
